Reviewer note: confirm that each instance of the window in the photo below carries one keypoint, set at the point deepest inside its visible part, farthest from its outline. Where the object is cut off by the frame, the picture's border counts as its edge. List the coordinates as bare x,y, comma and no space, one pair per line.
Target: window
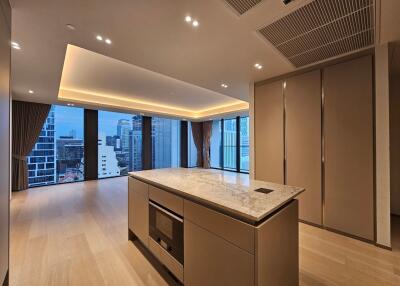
57,156
165,135
119,144
224,147
244,144
229,144
215,145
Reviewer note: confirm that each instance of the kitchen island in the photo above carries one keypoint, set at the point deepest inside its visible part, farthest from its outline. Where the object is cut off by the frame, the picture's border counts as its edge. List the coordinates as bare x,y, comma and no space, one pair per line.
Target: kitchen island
213,227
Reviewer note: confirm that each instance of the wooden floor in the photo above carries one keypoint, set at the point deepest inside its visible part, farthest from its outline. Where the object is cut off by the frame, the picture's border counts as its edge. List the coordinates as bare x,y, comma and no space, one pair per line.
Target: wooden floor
76,234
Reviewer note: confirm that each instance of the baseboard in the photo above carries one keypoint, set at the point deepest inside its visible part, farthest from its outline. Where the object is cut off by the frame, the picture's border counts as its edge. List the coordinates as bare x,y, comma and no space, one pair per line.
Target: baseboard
6,280
311,224
383,246
131,235
346,234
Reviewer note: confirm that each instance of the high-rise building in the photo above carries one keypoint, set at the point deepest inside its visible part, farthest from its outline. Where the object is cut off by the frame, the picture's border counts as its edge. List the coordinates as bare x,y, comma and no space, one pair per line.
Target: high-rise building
69,159
42,159
123,129
135,144
107,158
165,139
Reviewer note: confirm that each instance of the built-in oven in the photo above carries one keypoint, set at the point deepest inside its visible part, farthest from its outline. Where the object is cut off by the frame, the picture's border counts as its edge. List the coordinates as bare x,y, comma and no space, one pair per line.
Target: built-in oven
166,228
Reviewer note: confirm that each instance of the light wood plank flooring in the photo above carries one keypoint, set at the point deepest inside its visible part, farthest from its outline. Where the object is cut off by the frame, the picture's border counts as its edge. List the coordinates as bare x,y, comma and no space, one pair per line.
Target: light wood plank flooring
76,234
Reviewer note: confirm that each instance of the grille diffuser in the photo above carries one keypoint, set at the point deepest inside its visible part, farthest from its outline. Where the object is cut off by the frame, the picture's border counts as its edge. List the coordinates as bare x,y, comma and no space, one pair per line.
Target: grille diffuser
242,6
322,29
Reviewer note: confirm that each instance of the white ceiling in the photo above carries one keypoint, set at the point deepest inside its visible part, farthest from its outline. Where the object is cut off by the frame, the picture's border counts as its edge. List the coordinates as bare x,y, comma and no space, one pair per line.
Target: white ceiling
89,77
152,35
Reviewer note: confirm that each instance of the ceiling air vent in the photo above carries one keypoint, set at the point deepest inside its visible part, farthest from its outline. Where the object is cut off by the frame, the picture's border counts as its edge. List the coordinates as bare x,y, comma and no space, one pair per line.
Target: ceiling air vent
323,29
242,6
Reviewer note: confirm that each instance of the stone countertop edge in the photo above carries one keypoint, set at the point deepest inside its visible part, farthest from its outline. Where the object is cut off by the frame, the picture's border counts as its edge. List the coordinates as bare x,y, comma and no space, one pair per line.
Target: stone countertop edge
231,211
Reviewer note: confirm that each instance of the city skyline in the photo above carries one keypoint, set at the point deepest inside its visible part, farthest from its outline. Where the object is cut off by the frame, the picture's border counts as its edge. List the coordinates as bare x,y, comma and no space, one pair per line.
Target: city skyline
58,154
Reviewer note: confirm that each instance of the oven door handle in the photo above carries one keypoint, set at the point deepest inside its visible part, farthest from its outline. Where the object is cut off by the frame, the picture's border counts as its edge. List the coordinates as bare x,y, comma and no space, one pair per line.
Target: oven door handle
166,212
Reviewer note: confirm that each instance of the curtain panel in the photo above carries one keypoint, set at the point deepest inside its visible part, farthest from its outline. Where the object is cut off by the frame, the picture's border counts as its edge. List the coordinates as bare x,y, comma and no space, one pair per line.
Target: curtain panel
207,129
27,122
197,131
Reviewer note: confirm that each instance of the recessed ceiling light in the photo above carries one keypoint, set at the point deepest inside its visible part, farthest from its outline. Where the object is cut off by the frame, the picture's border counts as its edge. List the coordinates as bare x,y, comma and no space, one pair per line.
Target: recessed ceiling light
258,66
188,19
99,38
224,85
195,23
70,104
71,27
108,41
15,45
141,114
31,91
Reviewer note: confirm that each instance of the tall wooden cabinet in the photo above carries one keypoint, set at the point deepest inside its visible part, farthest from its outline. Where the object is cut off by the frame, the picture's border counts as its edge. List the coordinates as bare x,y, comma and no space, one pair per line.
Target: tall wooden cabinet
316,130
269,140
303,142
349,149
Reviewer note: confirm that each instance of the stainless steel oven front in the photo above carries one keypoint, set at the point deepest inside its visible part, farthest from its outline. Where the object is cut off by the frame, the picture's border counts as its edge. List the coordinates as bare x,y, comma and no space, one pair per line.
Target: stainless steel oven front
166,228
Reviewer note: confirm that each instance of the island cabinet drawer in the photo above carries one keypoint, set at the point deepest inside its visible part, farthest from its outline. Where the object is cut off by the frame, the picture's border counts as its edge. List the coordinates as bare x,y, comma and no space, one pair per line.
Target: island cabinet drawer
166,259
236,232
166,199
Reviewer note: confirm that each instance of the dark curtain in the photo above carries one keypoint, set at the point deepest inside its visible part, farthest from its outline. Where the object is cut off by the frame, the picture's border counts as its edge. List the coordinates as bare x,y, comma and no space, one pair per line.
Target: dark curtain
207,129
27,122
197,131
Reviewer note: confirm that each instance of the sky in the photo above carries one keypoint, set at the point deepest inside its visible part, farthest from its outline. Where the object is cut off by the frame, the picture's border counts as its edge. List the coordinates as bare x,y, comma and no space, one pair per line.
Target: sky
71,118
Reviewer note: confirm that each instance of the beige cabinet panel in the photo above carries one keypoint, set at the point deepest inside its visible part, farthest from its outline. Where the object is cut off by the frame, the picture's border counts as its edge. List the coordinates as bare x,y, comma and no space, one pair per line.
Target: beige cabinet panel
238,233
212,261
130,203
166,199
277,248
269,140
303,142
349,150
139,209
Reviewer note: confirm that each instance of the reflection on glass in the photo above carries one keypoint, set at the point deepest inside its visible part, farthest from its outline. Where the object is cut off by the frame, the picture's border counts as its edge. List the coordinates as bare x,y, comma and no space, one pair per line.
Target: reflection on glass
119,144
165,135
57,156
164,224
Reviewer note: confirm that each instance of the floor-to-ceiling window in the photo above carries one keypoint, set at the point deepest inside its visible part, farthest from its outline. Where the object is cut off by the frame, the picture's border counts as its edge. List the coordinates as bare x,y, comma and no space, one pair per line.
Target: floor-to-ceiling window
57,156
224,147
119,144
166,142
216,145
229,144
244,144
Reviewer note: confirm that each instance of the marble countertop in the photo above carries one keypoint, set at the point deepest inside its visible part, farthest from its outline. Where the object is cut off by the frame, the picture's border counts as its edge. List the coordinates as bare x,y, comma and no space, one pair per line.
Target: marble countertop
231,192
